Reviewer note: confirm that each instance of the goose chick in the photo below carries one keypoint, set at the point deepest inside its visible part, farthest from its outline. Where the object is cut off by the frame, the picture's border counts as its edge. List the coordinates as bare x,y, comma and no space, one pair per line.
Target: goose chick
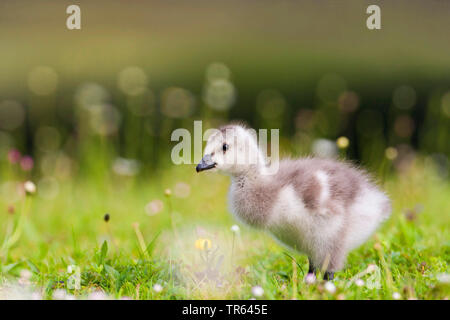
320,207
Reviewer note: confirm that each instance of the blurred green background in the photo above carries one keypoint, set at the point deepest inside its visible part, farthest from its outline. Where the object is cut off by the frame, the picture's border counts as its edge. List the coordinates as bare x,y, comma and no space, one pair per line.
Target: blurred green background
136,71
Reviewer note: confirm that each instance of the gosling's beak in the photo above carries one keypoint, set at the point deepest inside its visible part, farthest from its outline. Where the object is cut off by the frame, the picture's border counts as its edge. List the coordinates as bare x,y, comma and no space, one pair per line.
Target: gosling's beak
205,164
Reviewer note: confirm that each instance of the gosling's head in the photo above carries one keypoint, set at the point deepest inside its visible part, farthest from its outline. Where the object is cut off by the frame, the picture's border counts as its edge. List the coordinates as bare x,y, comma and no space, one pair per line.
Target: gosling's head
232,150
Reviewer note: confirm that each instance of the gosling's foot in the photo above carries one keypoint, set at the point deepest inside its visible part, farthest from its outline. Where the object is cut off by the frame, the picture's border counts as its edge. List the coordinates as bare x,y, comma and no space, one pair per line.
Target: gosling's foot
328,276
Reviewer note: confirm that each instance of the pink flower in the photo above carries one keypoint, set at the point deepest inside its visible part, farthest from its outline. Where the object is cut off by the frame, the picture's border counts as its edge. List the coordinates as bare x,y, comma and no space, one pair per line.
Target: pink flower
26,163
14,156
310,278
154,207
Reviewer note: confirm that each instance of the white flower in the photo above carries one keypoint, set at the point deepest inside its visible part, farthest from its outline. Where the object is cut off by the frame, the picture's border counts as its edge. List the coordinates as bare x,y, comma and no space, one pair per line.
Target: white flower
157,287
310,278
29,187
330,287
59,294
97,295
24,282
359,282
36,296
396,296
235,228
257,291
69,269
371,268
25,274
443,278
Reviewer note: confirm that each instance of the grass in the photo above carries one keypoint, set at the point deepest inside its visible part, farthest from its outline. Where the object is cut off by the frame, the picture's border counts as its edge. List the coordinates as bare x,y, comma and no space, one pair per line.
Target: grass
165,233
65,247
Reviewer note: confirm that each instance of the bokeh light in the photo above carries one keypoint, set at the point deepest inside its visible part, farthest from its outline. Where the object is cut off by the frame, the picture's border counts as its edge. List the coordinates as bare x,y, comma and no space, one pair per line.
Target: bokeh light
12,115
348,101
27,163
342,142
132,80
405,158
446,104
404,126
324,148
105,119
126,167
42,80
48,187
270,104
89,94
391,153
47,138
143,104
216,71
6,142
438,162
219,94
57,164
177,103
182,190
304,119
154,207
11,190
404,97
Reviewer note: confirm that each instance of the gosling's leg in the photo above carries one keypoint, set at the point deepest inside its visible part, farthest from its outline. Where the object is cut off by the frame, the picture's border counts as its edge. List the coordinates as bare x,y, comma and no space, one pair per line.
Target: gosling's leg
329,275
311,276
336,263
312,269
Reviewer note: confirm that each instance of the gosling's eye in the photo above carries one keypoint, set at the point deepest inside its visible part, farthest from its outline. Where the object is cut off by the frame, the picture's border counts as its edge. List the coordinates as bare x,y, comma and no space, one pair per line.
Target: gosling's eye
225,147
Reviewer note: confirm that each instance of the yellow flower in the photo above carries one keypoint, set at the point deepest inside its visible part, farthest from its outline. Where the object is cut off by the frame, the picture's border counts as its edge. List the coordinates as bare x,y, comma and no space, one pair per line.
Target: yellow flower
203,244
391,153
342,142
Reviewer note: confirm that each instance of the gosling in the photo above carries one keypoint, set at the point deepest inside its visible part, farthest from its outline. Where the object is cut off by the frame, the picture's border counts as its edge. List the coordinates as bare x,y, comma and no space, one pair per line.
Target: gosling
320,207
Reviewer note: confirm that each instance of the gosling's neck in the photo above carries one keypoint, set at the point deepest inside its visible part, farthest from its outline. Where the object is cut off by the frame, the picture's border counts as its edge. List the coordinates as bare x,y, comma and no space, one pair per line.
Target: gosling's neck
252,174
246,191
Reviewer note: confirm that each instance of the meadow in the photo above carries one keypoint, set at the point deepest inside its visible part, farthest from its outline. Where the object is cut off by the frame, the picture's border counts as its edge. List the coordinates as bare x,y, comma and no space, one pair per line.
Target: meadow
171,237
92,206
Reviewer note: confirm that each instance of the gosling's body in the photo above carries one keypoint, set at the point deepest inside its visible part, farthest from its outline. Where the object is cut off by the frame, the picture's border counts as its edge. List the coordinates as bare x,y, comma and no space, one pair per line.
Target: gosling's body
323,208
